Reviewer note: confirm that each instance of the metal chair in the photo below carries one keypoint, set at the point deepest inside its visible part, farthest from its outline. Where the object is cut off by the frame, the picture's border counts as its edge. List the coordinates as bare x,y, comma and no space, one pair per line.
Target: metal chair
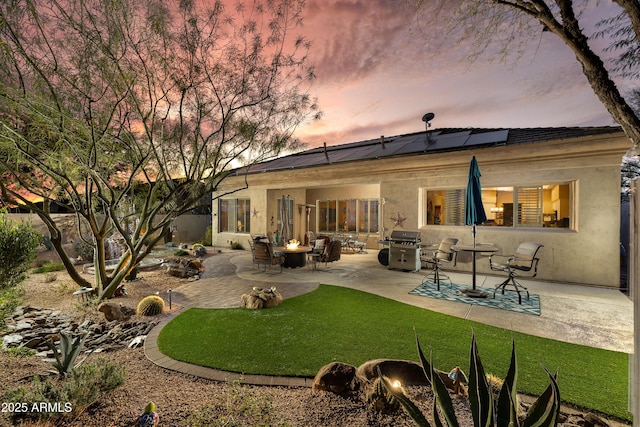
523,262
263,254
443,255
360,244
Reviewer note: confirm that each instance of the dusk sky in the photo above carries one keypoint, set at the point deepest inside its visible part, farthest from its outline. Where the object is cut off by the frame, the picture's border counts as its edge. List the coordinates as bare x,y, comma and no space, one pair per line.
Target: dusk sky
378,74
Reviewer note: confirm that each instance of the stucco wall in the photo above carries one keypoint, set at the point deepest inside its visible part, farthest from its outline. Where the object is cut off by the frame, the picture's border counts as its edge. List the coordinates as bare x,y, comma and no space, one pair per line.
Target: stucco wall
588,253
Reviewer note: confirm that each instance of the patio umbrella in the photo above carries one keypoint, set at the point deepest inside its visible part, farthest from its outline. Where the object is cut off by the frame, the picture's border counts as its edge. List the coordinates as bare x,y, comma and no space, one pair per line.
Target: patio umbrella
473,208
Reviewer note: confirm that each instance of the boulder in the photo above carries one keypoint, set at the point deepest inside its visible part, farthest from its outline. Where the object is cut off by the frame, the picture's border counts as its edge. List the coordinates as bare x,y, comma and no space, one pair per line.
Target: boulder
112,311
337,377
261,298
405,371
411,373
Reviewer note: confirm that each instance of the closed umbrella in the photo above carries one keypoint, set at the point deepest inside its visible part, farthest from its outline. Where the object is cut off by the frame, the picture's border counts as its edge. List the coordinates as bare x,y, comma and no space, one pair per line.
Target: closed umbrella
473,208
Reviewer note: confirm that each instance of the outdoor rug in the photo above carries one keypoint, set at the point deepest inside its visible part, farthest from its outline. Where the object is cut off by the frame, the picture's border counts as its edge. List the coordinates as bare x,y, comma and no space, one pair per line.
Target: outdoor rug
508,301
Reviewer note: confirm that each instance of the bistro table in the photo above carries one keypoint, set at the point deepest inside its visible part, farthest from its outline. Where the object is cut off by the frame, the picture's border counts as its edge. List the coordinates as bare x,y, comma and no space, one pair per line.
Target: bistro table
479,248
294,258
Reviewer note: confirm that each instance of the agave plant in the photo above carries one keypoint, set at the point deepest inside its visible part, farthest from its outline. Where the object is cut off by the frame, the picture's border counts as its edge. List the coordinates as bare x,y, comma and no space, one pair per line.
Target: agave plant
485,410
65,357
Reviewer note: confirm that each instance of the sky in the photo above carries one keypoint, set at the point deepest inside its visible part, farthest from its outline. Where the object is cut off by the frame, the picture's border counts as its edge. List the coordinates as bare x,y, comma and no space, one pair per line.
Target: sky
378,73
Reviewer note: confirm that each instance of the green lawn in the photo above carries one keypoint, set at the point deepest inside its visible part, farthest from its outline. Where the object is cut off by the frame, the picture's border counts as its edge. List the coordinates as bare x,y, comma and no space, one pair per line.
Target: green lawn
339,324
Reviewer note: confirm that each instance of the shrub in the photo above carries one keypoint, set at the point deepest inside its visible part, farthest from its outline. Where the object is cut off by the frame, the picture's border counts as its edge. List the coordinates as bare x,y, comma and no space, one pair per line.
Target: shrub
236,246
237,406
150,306
49,267
19,352
10,298
207,239
73,393
18,243
83,249
181,252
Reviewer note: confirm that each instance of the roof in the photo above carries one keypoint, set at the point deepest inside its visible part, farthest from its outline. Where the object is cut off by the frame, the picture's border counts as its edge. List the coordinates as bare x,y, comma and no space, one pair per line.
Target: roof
438,140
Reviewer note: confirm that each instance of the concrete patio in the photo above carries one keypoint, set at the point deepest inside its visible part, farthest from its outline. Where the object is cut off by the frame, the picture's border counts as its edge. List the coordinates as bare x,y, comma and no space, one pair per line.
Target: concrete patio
585,315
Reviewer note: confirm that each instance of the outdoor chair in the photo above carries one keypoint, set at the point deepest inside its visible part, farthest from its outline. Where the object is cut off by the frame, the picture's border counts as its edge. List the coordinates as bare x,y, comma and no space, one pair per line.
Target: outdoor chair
360,244
523,262
263,254
331,253
441,256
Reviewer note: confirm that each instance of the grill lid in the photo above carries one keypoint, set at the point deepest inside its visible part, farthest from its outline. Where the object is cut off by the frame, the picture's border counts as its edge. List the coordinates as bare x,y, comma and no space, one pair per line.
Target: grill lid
405,236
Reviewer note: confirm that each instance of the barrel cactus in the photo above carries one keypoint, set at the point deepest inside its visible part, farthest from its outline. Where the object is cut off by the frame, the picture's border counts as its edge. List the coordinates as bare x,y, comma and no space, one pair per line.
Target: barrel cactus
150,306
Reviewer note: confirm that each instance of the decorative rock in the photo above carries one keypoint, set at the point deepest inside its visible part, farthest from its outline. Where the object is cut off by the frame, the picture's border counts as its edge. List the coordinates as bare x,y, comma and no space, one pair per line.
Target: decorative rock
405,371
337,377
104,336
11,340
111,310
21,326
261,298
33,343
137,341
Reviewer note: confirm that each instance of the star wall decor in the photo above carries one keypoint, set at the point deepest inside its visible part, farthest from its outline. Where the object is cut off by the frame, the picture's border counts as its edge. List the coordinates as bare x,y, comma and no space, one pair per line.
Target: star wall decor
398,220
255,213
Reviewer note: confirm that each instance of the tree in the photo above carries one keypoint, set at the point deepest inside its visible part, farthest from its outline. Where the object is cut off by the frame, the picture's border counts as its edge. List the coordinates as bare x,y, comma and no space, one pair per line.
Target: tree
506,23
129,112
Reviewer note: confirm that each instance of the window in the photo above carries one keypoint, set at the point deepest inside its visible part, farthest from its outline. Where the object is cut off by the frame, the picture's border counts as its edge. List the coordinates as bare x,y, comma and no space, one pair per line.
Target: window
234,215
348,216
547,205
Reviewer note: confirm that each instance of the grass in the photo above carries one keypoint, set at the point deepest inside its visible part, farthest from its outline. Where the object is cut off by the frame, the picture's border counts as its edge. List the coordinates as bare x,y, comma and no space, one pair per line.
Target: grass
49,267
333,323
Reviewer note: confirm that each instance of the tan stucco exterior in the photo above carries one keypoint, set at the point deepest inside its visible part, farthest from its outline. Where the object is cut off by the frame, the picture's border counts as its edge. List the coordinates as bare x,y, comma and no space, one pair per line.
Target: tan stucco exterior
588,253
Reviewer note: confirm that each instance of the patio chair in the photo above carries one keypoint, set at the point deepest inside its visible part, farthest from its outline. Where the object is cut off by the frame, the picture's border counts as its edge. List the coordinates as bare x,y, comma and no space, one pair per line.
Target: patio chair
523,262
332,252
441,256
360,244
263,254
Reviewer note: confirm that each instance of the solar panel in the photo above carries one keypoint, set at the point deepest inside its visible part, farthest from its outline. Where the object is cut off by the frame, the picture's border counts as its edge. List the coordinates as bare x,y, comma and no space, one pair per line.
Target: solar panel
488,138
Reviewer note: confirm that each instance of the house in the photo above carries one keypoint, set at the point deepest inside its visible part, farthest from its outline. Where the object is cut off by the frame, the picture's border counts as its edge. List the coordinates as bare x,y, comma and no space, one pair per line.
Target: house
556,186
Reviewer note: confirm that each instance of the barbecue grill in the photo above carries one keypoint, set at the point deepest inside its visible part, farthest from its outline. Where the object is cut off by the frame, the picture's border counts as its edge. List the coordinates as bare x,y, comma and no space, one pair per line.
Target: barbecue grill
404,250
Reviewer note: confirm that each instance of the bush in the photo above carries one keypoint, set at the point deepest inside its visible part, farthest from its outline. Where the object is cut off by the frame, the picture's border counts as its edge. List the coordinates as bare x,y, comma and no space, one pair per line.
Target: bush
83,249
74,393
238,405
9,300
207,239
18,243
49,267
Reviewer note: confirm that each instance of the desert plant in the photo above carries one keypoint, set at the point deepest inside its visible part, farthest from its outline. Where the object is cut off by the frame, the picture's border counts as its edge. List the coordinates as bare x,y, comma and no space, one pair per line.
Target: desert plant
82,248
49,267
181,252
237,405
18,243
150,306
379,399
72,393
10,298
237,246
486,411
66,355
207,239
19,352
50,278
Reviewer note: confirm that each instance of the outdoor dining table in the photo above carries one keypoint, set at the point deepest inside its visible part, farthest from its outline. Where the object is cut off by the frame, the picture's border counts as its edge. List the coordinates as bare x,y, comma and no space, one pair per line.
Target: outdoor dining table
475,249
